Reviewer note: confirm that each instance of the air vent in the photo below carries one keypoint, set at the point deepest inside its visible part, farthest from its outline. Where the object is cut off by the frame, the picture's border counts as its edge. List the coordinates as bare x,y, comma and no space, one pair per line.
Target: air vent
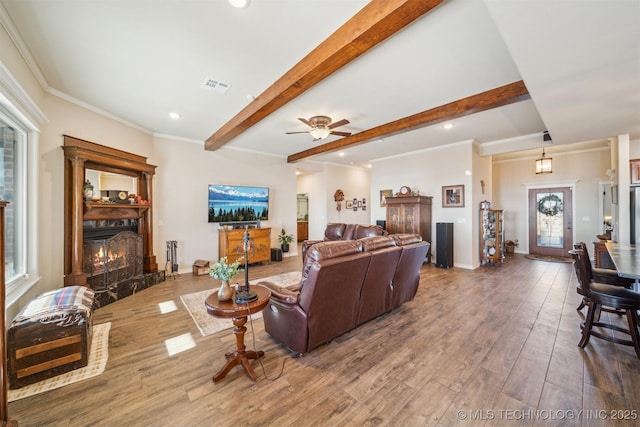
216,86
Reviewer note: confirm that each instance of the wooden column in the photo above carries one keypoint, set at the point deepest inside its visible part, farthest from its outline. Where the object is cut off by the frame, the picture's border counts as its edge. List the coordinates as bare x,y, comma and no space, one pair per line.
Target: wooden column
75,235
4,415
145,187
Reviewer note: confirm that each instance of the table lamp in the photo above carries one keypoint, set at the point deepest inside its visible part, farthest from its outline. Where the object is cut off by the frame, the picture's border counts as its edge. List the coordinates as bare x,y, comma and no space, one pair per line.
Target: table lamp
245,295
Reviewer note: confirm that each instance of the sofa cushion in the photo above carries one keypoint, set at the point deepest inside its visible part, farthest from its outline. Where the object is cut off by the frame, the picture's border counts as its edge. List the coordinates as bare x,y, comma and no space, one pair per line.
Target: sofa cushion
376,242
327,250
362,231
406,239
335,231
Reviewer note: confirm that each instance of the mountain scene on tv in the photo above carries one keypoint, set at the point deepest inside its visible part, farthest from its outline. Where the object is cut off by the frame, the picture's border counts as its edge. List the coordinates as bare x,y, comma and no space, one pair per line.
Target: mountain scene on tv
238,203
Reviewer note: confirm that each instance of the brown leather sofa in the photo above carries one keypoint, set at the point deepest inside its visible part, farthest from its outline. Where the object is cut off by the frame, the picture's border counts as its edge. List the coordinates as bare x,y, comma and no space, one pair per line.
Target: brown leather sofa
342,231
344,284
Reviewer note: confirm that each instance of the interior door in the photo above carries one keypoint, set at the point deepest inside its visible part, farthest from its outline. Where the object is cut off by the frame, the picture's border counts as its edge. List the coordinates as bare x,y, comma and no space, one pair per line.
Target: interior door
550,221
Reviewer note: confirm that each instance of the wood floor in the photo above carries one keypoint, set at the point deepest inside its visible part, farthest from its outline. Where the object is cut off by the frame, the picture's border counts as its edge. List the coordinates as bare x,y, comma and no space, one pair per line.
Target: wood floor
493,346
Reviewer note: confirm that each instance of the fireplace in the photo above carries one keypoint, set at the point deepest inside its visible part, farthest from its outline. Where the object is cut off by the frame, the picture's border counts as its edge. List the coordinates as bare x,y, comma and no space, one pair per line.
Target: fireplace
112,260
108,246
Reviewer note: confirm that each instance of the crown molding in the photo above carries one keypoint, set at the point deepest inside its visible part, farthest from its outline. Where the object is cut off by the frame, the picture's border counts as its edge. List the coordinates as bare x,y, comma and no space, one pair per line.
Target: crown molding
14,35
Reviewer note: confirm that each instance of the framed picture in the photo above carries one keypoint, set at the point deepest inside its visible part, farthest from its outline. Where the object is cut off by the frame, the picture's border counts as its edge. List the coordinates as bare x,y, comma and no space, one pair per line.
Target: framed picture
355,208
453,196
383,196
349,204
359,204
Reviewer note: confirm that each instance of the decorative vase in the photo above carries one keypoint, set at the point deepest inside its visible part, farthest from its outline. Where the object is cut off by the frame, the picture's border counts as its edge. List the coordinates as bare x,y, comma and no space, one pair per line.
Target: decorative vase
225,293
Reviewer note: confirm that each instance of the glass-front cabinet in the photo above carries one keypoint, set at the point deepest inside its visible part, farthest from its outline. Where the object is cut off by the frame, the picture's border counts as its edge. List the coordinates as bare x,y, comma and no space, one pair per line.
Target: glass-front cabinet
491,237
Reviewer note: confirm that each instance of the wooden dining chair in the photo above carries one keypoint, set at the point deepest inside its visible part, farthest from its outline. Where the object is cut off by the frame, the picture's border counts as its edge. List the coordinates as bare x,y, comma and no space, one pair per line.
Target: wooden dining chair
598,295
600,275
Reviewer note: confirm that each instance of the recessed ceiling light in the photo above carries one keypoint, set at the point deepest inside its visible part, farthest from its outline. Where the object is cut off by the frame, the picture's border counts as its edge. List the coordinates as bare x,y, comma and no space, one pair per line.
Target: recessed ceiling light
239,3
341,154
448,126
174,116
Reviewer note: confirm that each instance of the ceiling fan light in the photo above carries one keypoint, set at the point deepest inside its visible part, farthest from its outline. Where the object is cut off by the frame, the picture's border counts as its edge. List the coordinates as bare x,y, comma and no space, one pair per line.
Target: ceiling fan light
320,132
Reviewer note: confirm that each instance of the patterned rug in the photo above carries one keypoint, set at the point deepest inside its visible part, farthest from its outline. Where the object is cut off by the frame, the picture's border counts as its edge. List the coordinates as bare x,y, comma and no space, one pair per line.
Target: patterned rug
98,356
208,324
549,258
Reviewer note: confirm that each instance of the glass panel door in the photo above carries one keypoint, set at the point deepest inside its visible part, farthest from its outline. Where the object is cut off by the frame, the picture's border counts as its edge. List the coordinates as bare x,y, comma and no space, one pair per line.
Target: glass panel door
550,221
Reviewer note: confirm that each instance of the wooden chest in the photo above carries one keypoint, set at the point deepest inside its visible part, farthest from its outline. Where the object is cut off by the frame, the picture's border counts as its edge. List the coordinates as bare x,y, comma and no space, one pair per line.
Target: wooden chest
54,341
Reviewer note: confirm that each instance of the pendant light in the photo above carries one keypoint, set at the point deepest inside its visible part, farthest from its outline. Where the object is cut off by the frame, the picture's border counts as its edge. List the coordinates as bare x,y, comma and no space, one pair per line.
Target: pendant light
543,164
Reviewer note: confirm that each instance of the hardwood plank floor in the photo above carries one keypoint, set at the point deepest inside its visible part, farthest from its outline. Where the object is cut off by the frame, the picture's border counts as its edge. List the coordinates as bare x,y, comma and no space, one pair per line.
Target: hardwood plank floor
485,347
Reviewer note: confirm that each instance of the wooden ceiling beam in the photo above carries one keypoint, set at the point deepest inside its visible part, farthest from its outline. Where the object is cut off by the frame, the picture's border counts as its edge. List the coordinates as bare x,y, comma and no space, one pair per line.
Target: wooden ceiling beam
375,22
494,98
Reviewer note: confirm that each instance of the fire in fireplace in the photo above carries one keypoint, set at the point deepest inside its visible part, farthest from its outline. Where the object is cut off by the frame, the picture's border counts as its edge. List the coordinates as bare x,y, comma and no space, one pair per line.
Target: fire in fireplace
113,264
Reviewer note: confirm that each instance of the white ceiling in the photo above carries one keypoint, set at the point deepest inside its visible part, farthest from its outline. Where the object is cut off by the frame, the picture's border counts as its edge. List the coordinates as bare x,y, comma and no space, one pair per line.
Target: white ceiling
139,60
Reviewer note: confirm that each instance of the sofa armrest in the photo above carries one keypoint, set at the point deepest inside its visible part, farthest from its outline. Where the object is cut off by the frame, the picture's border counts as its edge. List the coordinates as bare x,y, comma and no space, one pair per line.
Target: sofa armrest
282,295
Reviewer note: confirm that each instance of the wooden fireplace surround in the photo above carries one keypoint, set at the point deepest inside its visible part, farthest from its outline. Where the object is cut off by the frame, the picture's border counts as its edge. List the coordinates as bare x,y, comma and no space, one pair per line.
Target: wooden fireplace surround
80,155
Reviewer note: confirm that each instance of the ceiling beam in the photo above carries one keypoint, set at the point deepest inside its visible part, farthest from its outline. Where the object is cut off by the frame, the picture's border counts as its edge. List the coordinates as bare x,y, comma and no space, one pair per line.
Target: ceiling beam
375,22
494,98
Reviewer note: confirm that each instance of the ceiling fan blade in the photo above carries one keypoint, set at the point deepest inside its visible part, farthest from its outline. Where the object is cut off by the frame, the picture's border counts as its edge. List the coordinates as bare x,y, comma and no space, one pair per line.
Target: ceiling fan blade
339,123
340,133
291,133
305,121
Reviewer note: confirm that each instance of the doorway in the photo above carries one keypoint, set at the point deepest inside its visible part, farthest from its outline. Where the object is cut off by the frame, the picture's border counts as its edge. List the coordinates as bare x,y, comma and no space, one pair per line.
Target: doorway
550,221
302,215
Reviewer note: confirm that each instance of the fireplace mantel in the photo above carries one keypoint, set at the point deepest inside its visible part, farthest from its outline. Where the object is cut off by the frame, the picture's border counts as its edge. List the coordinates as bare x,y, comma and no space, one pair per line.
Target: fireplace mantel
80,155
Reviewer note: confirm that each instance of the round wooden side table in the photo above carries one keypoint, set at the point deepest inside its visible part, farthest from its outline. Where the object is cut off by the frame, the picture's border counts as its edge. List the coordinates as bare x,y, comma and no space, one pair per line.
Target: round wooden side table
239,313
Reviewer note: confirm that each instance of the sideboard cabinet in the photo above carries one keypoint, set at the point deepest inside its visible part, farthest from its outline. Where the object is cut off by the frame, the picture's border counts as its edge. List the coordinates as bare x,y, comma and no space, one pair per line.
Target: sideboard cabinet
410,214
231,244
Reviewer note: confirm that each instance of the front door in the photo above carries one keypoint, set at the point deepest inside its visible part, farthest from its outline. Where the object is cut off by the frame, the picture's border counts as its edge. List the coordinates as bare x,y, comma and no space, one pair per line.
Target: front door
550,221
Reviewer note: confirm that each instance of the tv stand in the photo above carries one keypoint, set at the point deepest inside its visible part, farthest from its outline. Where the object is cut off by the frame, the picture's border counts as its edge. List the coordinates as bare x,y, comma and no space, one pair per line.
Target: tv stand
231,244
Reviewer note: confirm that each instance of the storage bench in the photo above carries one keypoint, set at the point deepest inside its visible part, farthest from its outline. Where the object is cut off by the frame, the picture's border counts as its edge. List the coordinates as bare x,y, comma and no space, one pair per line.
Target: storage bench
50,336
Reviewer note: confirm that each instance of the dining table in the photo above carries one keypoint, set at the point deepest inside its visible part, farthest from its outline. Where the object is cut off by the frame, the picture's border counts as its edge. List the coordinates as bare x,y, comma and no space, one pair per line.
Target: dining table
626,259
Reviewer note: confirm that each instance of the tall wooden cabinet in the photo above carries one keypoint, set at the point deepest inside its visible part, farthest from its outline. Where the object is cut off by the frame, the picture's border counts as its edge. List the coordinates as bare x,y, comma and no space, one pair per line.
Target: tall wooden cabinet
231,244
635,171
491,237
410,214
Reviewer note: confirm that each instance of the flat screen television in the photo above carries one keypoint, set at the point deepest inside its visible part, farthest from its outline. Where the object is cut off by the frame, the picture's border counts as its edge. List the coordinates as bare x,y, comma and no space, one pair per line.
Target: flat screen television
238,203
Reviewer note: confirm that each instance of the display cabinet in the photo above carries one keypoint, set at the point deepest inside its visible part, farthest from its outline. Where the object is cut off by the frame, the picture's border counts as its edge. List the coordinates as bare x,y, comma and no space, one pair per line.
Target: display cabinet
491,237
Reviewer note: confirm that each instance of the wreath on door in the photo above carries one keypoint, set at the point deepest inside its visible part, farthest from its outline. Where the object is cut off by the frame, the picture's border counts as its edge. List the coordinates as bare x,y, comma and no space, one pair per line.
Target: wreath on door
550,205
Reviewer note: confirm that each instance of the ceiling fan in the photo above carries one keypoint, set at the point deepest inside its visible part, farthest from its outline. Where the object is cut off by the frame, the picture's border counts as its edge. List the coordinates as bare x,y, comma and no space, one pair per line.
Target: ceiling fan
321,127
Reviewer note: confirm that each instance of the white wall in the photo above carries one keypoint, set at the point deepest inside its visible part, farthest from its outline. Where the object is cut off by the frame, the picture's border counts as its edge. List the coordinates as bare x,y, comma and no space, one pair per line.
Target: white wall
584,169
427,171
184,173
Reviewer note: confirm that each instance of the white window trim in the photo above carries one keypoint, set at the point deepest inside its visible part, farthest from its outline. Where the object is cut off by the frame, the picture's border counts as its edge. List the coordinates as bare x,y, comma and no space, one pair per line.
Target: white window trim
19,106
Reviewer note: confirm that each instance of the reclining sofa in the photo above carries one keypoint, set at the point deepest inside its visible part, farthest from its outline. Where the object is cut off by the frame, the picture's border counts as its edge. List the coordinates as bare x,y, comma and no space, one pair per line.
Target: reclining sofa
342,231
344,284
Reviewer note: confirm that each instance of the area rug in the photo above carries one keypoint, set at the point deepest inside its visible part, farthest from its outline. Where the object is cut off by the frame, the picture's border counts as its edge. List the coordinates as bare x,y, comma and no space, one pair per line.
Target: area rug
549,258
208,324
98,356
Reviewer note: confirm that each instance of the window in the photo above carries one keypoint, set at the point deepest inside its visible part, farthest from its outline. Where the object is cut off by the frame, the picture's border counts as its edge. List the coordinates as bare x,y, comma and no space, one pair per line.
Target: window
13,139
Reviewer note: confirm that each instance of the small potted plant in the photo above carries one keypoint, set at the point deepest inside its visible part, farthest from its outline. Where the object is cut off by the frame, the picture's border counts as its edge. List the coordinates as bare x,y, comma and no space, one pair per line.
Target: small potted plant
224,271
511,245
285,240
